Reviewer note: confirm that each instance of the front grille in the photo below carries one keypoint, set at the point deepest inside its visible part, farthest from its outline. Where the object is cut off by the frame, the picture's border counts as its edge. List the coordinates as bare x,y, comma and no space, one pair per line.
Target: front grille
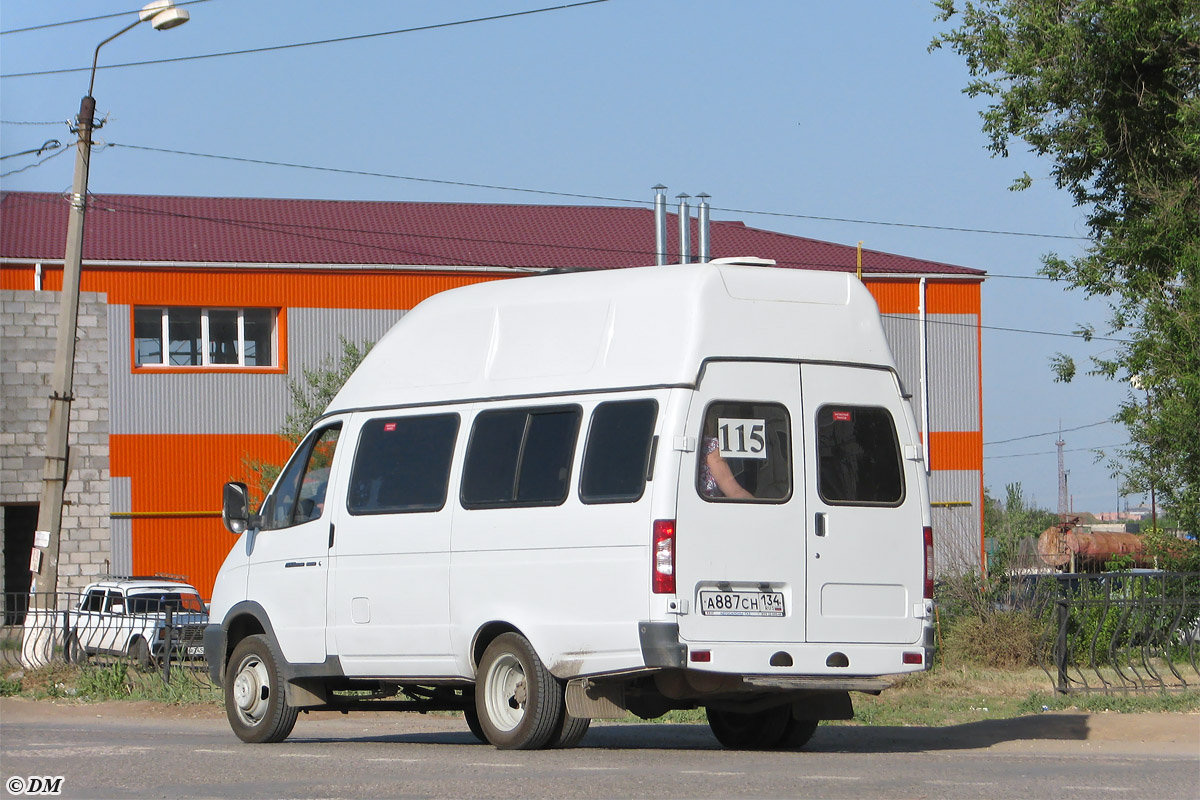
192,633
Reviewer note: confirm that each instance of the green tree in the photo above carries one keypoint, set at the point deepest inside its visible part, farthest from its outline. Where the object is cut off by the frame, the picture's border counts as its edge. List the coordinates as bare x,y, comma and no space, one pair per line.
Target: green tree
1008,522
1109,91
310,397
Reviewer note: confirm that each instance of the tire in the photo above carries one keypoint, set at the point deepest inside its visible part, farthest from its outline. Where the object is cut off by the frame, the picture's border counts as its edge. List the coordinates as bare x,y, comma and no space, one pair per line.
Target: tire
569,731
255,700
519,703
139,654
797,733
759,730
472,717
74,652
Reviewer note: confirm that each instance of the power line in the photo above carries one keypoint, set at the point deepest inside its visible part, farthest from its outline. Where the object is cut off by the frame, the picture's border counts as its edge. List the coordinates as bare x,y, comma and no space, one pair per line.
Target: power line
49,144
1004,329
22,122
1049,433
1053,452
569,195
55,154
903,224
89,19
296,45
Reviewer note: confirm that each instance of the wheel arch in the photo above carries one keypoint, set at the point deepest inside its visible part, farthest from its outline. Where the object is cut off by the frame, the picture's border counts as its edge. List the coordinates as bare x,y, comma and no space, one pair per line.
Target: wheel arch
486,634
244,619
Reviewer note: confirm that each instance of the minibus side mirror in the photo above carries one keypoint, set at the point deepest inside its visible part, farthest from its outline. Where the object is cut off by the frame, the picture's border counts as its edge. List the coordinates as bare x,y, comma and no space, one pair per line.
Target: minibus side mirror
235,508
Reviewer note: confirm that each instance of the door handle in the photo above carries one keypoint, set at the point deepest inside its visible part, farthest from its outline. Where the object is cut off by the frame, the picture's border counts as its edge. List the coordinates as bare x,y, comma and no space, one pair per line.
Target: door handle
819,523
331,535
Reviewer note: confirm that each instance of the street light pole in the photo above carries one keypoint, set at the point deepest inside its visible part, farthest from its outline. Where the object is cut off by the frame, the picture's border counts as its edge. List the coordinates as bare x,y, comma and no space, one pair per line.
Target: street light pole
162,15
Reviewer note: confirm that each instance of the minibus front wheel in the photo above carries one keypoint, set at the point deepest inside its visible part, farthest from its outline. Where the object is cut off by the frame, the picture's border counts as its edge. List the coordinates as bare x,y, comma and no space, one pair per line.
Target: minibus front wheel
255,700
519,703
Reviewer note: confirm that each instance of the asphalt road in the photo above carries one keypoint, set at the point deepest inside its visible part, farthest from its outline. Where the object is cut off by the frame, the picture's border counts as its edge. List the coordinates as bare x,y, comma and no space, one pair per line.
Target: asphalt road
136,750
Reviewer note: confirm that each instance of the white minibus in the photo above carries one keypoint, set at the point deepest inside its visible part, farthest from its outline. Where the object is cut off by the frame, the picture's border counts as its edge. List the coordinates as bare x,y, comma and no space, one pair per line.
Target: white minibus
553,499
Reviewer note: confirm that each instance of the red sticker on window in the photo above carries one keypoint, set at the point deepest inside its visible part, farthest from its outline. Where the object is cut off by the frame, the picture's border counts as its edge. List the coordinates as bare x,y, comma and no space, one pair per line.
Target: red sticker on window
388,427
841,416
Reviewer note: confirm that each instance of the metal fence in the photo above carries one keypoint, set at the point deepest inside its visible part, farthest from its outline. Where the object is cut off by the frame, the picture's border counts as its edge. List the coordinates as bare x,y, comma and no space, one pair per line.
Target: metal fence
56,628
1135,631
1116,632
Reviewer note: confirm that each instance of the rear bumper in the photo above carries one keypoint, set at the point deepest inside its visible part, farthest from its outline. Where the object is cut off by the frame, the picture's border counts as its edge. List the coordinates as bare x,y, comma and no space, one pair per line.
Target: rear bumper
661,647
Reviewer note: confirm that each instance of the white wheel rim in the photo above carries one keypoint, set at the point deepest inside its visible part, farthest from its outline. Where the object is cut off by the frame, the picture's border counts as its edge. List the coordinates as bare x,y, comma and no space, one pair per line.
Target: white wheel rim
252,690
505,695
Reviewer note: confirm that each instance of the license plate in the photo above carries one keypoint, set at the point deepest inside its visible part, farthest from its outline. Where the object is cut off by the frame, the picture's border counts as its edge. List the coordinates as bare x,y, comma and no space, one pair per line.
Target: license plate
741,604
195,650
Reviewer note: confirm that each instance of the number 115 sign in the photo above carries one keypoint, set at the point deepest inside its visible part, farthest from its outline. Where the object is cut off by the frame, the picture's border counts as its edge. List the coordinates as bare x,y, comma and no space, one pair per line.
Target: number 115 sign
742,438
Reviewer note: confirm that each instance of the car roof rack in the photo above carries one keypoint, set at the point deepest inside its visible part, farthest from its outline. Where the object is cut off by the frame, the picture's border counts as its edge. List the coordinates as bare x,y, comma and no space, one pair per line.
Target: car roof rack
159,576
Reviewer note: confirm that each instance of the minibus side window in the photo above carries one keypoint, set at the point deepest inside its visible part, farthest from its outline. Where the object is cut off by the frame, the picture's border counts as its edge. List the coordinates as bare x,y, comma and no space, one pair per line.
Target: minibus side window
858,456
402,464
299,494
618,452
745,453
520,457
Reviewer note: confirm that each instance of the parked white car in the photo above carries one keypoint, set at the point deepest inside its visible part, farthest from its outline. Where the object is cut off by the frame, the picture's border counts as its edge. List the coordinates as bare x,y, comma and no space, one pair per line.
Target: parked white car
127,617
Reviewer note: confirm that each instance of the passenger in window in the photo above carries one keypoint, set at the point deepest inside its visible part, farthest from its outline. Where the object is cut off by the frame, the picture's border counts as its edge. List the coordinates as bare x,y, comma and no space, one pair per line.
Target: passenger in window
716,478
312,495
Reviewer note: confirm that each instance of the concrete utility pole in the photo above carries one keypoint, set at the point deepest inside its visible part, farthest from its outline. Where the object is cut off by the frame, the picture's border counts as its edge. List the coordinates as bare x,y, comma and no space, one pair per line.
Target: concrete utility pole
44,563
36,649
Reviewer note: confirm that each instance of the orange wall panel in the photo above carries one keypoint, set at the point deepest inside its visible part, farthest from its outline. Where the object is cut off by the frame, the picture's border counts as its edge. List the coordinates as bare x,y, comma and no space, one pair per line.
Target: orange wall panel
956,450
185,472
174,473
895,297
194,548
954,297
17,279
296,288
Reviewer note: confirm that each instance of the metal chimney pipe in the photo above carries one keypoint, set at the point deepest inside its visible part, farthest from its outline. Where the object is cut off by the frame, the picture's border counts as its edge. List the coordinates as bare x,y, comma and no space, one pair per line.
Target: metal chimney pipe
685,229
704,246
660,224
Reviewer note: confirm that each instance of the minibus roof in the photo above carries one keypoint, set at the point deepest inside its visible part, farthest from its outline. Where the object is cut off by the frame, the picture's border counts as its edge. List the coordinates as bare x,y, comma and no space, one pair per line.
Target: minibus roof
616,329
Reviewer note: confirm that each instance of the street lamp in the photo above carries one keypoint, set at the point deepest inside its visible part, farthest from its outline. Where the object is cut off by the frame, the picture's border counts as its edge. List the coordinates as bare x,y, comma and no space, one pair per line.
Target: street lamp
162,15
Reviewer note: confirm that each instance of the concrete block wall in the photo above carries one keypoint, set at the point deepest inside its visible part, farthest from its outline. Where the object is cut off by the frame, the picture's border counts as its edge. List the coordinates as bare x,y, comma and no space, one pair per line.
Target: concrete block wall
28,323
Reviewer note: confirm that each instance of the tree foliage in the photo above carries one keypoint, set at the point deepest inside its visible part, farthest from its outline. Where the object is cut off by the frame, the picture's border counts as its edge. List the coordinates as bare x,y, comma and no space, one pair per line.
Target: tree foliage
1109,92
1007,522
309,398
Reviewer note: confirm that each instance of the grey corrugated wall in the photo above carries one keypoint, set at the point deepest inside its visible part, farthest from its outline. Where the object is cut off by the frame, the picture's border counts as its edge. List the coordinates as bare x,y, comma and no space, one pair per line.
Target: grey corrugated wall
121,499
222,402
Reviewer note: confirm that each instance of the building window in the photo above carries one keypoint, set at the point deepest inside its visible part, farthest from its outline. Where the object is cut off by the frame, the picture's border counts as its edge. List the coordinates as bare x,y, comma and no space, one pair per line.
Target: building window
204,337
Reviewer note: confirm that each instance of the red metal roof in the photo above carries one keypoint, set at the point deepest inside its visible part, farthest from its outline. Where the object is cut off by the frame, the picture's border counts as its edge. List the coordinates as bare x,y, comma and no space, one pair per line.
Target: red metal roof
213,230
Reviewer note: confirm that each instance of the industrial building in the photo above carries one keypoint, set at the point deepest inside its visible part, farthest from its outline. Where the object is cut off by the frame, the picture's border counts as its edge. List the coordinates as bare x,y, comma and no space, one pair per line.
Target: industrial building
195,313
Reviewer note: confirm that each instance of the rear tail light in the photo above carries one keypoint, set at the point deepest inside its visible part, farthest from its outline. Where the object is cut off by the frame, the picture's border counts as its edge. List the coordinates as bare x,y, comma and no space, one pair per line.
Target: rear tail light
663,566
928,563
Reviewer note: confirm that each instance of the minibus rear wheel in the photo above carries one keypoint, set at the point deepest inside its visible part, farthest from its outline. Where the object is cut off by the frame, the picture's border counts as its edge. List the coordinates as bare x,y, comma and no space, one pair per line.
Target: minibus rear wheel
255,701
797,734
520,704
472,717
758,730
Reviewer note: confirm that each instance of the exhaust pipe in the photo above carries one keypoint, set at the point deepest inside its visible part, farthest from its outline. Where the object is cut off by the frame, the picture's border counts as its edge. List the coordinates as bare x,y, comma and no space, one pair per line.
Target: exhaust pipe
685,229
660,225
704,246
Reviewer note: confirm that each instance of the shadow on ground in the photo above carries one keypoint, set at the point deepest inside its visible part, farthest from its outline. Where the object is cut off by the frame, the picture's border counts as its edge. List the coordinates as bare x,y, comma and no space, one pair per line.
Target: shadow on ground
828,739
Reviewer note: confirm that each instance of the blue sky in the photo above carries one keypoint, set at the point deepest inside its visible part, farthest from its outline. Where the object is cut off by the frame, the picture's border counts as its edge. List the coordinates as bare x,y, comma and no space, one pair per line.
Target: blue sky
813,109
